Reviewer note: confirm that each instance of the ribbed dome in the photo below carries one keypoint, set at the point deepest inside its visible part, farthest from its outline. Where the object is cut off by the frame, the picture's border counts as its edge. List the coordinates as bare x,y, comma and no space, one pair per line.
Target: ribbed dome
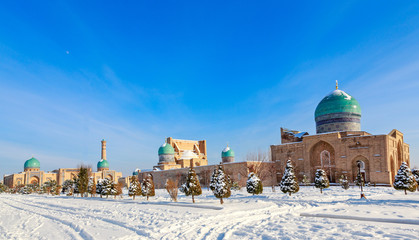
32,163
336,102
166,149
227,152
102,164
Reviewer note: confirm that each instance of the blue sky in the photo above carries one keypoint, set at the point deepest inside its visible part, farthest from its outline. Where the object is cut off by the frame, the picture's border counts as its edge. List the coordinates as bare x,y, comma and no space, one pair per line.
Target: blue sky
72,73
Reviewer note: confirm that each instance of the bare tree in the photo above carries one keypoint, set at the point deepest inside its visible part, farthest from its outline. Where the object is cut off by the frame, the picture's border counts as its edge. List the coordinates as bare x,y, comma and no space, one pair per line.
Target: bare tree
261,163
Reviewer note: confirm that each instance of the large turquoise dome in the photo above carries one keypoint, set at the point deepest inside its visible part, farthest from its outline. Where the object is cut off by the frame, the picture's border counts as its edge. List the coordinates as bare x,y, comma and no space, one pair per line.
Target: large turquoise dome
102,164
227,152
336,102
166,149
32,163
338,111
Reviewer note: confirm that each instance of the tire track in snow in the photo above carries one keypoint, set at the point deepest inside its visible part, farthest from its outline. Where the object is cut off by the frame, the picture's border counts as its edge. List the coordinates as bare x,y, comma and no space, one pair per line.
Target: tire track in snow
53,207
76,228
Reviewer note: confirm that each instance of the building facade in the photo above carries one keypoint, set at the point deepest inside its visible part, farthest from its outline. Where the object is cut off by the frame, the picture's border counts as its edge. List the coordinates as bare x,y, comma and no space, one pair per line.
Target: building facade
340,144
32,173
177,153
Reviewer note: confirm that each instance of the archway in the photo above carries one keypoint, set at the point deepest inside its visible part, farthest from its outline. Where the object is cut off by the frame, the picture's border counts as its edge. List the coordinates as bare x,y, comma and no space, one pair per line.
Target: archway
365,168
110,177
34,181
322,156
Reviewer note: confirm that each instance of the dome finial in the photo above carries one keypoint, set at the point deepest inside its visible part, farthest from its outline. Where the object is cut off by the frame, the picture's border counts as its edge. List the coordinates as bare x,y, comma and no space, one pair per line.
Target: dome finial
337,85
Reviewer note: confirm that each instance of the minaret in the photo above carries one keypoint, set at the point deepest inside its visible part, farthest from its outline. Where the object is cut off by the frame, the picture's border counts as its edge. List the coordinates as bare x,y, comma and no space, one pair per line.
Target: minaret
103,149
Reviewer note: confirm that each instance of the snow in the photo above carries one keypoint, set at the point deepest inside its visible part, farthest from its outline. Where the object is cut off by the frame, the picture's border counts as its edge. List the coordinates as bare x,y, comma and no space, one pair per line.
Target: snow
338,92
335,214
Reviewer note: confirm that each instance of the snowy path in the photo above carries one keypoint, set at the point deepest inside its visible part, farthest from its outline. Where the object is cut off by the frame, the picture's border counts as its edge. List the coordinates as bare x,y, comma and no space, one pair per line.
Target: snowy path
268,216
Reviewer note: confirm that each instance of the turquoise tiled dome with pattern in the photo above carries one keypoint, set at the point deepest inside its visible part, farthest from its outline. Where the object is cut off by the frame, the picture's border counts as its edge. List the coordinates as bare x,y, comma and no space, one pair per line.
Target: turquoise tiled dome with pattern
336,112
32,163
227,152
166,149
336,102
102,164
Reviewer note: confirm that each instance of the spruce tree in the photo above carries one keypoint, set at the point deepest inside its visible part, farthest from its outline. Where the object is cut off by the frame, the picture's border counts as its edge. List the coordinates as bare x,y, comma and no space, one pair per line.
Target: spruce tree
108,187
321,181
220,184
99,186
134,187
147,186
415,173
91,187
67,186
191,187
344,183
404,179
289,182
83,180
253,184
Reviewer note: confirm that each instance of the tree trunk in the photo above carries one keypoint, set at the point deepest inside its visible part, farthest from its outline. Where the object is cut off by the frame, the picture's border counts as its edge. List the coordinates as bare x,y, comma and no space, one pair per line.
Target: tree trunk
321,190
133,197
289,193
193,199
405,193
221,200
147,197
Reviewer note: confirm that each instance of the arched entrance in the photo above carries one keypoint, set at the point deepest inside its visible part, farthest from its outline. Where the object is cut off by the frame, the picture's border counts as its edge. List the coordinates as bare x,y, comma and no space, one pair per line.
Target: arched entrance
34,181
322,156
364,167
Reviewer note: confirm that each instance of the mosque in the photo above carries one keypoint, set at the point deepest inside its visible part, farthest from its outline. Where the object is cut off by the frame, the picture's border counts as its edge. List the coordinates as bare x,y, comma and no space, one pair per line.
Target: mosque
339,144
32,173
337,147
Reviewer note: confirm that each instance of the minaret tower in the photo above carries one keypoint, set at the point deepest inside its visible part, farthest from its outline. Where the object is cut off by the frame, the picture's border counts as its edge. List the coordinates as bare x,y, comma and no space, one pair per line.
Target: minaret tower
103,164
103,150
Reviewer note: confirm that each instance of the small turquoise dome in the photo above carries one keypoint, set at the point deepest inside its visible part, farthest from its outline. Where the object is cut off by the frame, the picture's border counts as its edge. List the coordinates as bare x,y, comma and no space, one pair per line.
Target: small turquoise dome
166,149
227,152
102,164
135,173
337,101
32,163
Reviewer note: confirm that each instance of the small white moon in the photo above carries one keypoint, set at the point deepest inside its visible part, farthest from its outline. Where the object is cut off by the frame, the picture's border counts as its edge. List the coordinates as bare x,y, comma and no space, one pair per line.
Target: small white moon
67,52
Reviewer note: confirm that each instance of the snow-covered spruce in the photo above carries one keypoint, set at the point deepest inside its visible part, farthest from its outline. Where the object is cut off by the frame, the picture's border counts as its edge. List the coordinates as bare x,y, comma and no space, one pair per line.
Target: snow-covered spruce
220,184
321,181
99,186
289,182
191,187
344,183
134,187
91,187
404,179
254,184
147,186
415,173
108,187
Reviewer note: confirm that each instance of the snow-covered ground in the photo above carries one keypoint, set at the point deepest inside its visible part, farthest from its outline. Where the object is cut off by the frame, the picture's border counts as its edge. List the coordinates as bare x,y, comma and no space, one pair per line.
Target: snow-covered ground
387,214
